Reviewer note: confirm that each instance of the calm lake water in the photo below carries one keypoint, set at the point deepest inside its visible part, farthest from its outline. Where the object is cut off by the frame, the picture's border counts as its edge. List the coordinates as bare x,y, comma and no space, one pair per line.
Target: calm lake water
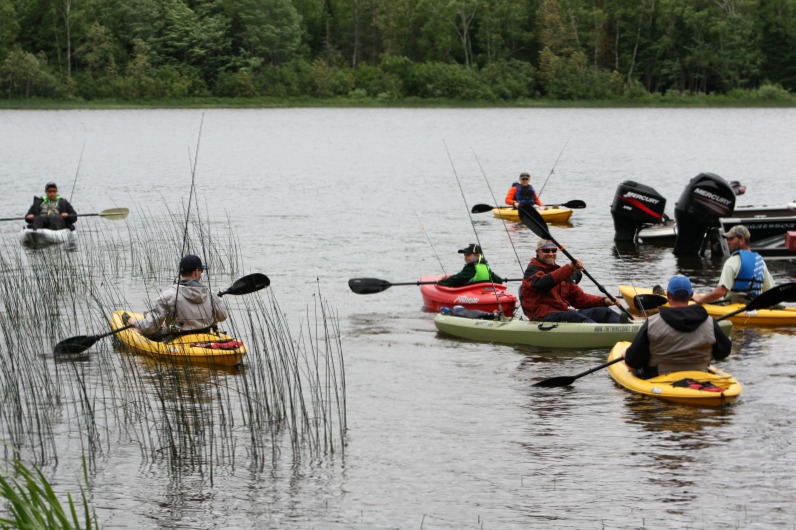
441,433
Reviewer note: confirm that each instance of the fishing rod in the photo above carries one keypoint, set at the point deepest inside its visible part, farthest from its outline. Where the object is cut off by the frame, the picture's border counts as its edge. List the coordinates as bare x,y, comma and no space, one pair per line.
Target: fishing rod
193,164
422,229
494,200
633,285
469,216
554,167
74,183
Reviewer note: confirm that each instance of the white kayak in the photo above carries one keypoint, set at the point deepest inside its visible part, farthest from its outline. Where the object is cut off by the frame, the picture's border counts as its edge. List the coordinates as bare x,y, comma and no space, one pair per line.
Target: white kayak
39,237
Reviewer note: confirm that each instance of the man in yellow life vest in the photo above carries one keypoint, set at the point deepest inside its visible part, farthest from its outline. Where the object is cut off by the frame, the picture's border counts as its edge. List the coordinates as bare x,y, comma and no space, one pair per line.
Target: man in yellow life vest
475,269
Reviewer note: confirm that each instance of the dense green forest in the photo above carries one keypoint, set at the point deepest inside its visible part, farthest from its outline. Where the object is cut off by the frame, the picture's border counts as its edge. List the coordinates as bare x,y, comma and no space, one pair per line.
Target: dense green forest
482,50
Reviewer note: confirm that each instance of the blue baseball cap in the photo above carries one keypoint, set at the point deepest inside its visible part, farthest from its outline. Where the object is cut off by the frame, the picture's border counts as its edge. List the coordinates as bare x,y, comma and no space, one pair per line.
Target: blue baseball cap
680,287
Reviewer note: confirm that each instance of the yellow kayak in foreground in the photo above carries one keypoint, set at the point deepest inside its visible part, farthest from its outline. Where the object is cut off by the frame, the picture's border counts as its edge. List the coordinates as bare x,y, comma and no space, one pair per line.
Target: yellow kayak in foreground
209,349
704,389
550,214
757,317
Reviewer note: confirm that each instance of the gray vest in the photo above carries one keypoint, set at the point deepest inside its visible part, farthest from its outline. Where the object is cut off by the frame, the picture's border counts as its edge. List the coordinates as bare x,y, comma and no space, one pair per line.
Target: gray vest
673,351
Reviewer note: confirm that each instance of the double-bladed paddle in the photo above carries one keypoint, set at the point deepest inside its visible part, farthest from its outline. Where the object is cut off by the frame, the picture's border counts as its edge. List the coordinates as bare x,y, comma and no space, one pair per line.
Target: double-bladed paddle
785,292
531,218
375,285
76,345
574,204
113,214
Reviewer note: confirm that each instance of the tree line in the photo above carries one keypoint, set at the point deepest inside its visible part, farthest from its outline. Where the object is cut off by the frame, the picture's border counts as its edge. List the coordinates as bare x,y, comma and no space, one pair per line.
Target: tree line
488,50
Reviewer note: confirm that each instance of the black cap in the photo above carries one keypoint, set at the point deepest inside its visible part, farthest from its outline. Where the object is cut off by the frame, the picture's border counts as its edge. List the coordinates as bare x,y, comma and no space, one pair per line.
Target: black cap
50,185
472,248
190,263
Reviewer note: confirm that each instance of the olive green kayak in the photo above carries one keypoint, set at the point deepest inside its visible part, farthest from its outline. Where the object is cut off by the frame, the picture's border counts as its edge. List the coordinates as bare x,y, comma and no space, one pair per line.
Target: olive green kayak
543,334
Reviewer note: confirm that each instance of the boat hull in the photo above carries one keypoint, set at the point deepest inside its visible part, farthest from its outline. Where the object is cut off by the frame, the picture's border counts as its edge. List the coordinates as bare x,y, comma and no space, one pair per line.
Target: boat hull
483,296
43,237
207,349
758,317
550,215
726,391
538,334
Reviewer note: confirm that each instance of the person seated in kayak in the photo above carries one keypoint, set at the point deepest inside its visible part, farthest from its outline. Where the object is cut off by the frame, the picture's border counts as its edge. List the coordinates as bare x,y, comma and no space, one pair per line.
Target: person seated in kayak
680,337
549,291
185,307
475,269
522,193
744,275
51,211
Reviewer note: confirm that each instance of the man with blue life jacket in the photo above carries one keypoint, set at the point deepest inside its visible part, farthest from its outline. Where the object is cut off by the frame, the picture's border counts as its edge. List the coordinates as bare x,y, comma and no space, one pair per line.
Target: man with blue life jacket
744,275
680,337
51,211
475,269
522,193
549,291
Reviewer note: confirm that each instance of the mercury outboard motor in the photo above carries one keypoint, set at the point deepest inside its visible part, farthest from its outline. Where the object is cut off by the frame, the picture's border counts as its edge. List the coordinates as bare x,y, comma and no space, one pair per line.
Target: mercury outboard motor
634,206
706,198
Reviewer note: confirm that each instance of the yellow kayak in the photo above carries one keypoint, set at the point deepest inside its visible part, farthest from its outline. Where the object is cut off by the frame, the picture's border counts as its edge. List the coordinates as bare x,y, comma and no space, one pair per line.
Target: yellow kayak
551,214
758,317
211,349
713,388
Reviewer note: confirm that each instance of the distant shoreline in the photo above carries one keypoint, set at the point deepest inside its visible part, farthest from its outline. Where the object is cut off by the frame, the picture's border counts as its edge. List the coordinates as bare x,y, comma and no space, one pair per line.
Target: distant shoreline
697,101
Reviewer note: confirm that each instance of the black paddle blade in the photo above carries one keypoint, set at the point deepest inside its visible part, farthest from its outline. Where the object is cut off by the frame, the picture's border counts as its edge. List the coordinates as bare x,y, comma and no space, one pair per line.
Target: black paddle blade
481,208
533,220
555,382
368,285
568,380
248,284
75,345
649,301
575,204
785,292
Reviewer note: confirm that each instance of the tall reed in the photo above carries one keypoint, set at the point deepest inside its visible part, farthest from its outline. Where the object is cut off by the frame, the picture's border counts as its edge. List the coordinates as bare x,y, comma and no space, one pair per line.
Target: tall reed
290,393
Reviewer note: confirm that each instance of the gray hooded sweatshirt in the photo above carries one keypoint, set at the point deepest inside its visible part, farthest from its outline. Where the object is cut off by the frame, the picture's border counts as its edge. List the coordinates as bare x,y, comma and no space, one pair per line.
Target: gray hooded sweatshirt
197,308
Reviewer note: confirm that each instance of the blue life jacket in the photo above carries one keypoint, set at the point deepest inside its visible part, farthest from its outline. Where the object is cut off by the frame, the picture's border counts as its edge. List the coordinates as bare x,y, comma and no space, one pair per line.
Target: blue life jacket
751,274
524,195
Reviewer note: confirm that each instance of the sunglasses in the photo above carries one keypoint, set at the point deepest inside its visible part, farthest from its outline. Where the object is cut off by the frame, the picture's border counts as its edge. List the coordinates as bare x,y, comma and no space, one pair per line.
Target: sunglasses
549,250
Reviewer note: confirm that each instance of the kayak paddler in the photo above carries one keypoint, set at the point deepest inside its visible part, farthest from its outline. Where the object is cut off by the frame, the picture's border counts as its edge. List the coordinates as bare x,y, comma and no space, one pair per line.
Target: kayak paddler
51,211
475,269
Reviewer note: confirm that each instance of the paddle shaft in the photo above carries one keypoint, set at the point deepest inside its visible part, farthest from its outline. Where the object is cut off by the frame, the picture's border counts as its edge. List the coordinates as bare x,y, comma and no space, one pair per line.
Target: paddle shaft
536,219
575,204
584,271
113,212
596,368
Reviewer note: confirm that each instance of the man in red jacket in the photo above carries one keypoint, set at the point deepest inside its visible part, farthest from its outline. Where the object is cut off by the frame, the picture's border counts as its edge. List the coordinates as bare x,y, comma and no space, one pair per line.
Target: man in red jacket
548,291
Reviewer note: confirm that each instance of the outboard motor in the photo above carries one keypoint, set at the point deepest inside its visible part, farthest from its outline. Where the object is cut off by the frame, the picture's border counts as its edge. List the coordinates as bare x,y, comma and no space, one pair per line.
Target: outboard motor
634,206
706,198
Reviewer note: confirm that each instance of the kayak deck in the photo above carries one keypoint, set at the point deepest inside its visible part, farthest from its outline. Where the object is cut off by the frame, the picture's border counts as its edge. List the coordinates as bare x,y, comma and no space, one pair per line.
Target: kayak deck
41,237
550,214
706,389
539,334
519,331
758,317
211,349
483,296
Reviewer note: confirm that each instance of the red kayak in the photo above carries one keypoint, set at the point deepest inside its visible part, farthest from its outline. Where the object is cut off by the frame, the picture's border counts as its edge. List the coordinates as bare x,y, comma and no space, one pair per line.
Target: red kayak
483,295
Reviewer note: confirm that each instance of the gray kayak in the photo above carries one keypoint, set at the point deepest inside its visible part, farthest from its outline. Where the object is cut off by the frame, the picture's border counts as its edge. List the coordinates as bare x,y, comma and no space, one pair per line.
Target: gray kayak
543,334
32,237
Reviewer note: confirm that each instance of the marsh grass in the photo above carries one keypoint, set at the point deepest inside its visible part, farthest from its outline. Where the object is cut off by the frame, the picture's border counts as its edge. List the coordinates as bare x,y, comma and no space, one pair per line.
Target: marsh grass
31,502
288,399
